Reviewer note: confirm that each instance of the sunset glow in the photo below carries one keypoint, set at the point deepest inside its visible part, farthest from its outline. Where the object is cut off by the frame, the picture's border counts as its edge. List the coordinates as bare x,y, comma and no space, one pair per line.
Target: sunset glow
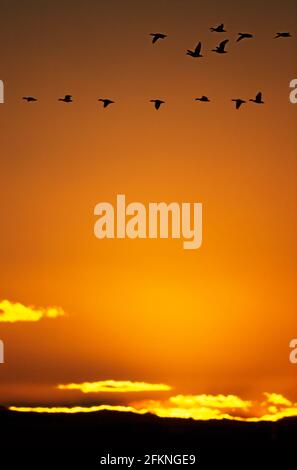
137,323
115,386
200,407
11,312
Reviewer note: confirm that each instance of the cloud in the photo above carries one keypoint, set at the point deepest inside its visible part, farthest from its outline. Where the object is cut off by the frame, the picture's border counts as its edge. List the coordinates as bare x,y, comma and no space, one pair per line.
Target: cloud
276,399
75,409
206,407
197,407
15,312
210,401
115,386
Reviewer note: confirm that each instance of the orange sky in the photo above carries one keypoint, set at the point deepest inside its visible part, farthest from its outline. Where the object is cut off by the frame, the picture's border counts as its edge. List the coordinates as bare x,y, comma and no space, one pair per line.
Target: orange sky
216,320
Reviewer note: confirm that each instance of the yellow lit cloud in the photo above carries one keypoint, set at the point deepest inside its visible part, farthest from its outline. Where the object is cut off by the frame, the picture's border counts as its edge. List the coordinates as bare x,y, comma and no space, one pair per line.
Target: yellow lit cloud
197,407
277,399
75,409
15,312
206,407
210,401
121,386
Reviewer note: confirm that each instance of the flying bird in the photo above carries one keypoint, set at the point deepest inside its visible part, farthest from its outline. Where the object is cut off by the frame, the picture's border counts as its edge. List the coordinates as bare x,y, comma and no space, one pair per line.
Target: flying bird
242,36
157,103
220,49
258,99
238,102
196,52
66,99
106,102
218,29
29,98
157,36
283,35
203,98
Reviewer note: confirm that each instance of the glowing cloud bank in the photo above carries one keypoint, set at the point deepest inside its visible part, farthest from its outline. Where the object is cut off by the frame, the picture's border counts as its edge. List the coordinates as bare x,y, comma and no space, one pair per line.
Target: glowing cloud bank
206,407
115,386
197,407
15,312
75,409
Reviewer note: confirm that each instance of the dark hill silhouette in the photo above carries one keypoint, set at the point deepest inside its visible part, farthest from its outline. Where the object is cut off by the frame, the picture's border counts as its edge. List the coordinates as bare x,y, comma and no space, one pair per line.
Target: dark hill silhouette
84,437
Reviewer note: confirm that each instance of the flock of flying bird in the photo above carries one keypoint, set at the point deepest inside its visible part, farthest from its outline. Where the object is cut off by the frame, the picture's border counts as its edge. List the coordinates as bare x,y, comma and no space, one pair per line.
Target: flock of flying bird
196,53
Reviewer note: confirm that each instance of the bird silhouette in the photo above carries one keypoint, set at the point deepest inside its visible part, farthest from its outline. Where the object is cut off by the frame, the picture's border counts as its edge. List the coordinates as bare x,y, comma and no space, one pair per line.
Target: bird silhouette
106,102
29,98
220,49
258,99
203,98
242,36
157,103
66,99
283,35
238,102
157,36
218,29
197,52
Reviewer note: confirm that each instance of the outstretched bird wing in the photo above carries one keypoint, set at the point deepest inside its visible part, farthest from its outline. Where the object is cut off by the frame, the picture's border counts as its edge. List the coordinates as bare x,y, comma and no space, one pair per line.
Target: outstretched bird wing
107,103
259,96
198,48
223,44
157,36
238,102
